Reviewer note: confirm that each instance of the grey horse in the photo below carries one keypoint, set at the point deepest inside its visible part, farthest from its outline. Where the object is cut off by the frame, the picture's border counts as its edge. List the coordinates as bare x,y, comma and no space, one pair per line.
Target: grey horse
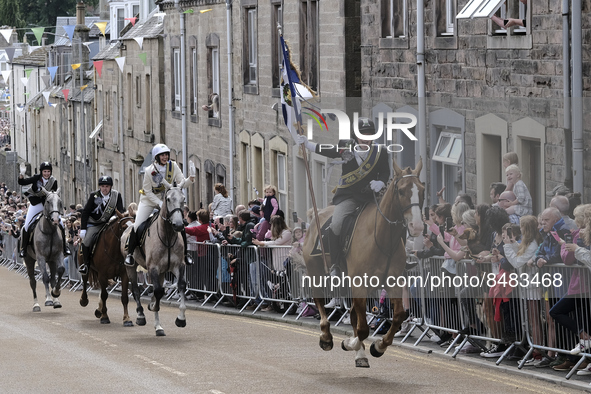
47,252
164,252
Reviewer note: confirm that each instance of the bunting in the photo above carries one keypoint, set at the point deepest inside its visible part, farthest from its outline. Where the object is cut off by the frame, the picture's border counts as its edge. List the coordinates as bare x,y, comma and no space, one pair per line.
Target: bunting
10,53
102,26
53,105
69,31
46,95
83,87
75,66
140,41
46,80
28,72
120,62
6,33
65,92
38,32
98,66
132,20
6,75
142,57
25,81
52,71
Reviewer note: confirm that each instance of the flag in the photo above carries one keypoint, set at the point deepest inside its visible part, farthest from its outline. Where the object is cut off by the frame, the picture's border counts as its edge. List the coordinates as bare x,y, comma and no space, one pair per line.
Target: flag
52,71
102,26
38,32
132,20
69,31
291,93
98,65
139,40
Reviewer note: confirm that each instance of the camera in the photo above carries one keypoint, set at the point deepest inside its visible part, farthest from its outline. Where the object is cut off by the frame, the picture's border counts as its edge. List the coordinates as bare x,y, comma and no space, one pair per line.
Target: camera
295,217
449,223
568,238
425,229
509,232
426,213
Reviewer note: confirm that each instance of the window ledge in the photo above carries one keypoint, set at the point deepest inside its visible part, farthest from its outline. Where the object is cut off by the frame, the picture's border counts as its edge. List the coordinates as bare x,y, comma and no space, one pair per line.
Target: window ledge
176,114
216,122
394,43
509,42
194,118
276,92
251,89
445,42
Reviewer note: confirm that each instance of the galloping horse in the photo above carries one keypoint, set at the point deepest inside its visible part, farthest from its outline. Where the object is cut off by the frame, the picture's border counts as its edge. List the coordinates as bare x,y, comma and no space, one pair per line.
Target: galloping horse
107,263
47,243
164,252
377,245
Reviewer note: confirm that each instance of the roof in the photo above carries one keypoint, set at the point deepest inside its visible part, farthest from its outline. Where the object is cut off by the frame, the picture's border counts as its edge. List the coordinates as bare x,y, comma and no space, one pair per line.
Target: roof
109,52
61,37
35,58
151,28
96,32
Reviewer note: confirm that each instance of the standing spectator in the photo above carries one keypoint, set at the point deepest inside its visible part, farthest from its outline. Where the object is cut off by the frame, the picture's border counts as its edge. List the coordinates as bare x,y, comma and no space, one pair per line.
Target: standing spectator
505,201
222,204
561,203
523,205
496,188
270,207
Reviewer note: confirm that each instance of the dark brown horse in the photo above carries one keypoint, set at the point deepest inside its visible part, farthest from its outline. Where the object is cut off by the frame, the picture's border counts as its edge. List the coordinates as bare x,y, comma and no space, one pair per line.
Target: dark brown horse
377,249
107,263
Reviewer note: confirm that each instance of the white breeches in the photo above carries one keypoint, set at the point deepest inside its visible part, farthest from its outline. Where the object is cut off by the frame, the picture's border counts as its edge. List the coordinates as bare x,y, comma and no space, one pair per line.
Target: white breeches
144,210
31,213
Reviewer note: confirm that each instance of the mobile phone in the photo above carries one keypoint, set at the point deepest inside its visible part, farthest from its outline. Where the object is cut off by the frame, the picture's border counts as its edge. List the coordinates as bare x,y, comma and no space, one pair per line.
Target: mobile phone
442,229
509,232
303,226
449,223
505,21
426,213
425,229
295,217
221,220
568,238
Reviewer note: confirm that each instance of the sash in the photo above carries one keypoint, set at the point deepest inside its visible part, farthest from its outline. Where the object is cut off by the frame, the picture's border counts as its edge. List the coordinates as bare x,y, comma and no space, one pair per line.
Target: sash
361,172
168,176
29,192
109,209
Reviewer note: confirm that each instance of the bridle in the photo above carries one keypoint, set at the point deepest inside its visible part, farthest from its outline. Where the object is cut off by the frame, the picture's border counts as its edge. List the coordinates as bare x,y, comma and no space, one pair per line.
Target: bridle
169,214
403,220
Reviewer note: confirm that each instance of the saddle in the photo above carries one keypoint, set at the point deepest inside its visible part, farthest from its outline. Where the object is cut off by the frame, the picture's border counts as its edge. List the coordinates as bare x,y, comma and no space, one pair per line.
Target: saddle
346,236
142,232
31,231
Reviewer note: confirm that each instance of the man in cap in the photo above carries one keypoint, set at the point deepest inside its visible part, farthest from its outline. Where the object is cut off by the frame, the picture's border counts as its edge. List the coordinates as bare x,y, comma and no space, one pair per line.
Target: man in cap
99,209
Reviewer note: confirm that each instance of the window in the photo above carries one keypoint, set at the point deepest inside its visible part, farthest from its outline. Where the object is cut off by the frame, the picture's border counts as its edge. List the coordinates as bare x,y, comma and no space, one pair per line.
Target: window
516,10
309,42
148,107
115,122
281,181
135,9
448,148
491,145
120,21
276,53
393,13
129,101
176,77
250,49
193,81
213,79
138,92
445,16
244,152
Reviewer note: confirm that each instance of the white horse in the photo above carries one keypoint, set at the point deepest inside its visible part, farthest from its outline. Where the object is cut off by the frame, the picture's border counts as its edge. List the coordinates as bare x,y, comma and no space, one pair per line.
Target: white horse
163,251
46,249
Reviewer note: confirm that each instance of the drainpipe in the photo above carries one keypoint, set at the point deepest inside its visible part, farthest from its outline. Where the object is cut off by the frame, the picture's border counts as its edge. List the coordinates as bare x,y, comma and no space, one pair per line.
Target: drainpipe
230,103
183,93
568,141
422,134
577,94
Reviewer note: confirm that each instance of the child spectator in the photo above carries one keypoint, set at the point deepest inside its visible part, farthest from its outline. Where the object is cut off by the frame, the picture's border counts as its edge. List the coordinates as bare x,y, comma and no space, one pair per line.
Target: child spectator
269,207
523,203
222,204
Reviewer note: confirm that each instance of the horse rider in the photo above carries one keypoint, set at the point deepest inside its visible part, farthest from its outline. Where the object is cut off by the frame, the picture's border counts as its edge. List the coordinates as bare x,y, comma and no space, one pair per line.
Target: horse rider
365,171
36,196
158,176
99,209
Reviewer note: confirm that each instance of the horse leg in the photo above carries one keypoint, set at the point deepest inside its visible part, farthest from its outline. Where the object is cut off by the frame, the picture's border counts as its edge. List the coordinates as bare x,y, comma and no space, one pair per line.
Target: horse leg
102,311
43,268
378,348
84,296
361,331
135,290
158,282
125,300
56,287
326,342
31,272
181,321
55,283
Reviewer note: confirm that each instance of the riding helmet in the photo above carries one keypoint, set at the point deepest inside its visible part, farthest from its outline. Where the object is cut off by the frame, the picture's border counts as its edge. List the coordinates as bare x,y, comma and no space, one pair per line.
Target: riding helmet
366,126
105,180
46,166
158,149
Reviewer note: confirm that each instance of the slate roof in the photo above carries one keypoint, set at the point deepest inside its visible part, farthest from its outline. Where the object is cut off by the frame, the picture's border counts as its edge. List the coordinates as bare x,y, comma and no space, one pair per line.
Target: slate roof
71,20
109,52
151,28
35,58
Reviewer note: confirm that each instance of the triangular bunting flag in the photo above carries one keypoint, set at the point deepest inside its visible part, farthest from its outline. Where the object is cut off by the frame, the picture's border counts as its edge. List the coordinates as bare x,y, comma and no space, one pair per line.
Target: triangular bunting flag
207,10
83,87
46,80
52,105
69,31
27,93
142,56
75,66
46,95
120,62
6,75
28,72
38,32
87,44
140,41
102,26
6,33
10,53
98,65
20,108
65,92
132,20
25,81
189,11
52,71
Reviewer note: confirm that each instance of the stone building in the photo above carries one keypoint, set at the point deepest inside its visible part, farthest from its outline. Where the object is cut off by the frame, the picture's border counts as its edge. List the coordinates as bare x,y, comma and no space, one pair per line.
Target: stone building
488,90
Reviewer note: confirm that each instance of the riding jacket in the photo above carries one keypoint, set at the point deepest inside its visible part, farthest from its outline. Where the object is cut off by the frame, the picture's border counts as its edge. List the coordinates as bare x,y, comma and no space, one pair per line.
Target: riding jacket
154,187
36,182
99,209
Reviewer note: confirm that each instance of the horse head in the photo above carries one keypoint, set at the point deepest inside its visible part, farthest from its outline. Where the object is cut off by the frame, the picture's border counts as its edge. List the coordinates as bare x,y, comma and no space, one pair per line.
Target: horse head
410,194
53,207
172,208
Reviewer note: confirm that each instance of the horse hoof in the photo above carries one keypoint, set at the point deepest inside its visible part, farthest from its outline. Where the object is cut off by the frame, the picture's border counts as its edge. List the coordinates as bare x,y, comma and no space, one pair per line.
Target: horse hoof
180,323
362,363
326,345
128,323
37,308
140,321
343,346
57,305
105,320
83,302
55,294
160,333
48,303
97,313
374,351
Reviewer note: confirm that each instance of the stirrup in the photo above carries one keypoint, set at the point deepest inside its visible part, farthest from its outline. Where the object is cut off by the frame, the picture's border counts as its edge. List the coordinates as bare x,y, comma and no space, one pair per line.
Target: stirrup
83,269
188,260
22,253
129,260
67,252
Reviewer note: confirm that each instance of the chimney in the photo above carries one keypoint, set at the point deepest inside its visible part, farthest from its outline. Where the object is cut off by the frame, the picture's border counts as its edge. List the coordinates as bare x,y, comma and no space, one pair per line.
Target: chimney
80,12
80,53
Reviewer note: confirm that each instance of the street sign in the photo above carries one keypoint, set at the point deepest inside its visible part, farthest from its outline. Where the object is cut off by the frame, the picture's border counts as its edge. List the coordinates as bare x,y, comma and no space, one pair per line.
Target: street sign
11,157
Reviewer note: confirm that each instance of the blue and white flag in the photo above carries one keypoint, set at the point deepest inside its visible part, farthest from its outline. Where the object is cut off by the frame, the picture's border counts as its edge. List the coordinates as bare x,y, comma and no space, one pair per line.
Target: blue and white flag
292,91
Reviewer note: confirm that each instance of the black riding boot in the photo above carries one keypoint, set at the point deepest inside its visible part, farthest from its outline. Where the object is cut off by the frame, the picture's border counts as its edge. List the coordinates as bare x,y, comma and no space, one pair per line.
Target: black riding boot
24,242
131,248
188,259
336,253
65,243
83,268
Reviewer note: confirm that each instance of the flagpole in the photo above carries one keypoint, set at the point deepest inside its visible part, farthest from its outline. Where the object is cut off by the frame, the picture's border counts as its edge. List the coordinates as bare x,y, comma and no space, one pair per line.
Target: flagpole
304,151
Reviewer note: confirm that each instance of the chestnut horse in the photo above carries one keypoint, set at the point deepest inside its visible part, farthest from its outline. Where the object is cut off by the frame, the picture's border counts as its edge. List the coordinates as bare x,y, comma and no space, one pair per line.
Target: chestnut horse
377,249
107,263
